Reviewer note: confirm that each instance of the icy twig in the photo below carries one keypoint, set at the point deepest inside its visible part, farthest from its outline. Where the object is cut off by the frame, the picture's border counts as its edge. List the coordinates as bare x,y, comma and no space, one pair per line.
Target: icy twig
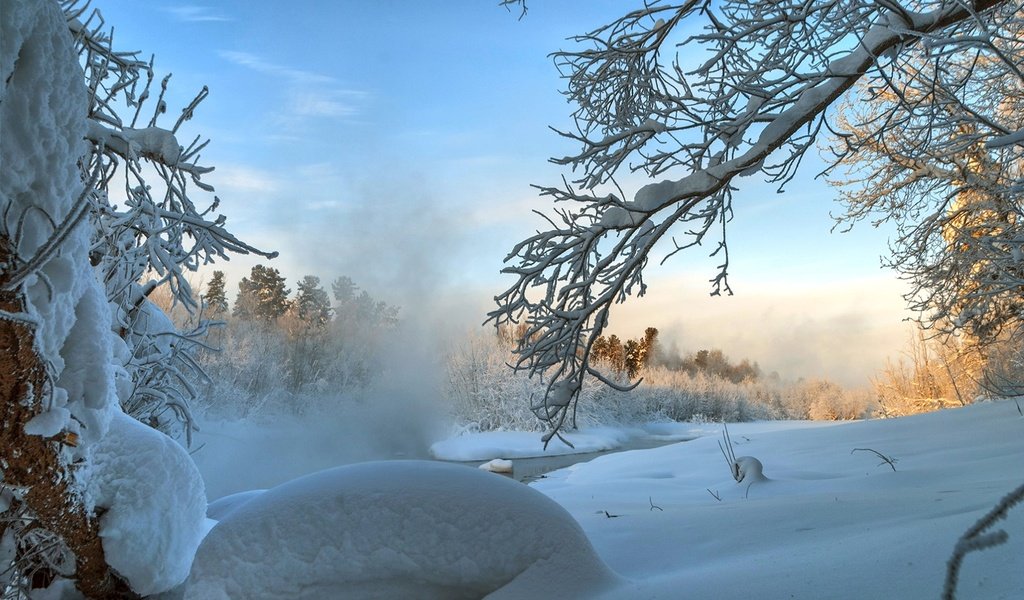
976,538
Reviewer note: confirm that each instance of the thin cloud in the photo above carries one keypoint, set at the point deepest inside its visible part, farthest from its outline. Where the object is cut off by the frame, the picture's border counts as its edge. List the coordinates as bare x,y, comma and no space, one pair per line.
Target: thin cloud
325,103
251,61
238,178
191,13
310,95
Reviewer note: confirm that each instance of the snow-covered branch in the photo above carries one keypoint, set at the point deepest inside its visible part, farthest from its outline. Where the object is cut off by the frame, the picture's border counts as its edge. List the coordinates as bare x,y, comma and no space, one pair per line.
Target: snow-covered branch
756,105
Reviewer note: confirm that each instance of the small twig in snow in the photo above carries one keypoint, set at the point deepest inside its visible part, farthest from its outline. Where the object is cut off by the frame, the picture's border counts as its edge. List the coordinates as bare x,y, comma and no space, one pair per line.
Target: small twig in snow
609,515
653,505
714,494
885,459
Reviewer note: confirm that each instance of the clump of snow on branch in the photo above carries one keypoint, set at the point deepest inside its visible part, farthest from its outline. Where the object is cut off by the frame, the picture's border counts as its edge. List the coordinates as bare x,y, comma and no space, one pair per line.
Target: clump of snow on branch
152,504
398,529
166,225
43,199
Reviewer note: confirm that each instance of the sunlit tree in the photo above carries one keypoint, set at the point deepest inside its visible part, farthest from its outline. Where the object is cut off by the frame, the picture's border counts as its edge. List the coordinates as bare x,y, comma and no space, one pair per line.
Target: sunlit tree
934,152
262,296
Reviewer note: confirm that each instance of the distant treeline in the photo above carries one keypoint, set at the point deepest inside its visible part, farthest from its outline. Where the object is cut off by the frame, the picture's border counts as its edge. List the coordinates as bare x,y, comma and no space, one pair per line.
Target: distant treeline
631,357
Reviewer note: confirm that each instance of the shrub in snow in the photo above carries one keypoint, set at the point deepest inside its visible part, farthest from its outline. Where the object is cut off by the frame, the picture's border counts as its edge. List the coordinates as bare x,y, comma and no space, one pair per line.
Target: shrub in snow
398,529
152,505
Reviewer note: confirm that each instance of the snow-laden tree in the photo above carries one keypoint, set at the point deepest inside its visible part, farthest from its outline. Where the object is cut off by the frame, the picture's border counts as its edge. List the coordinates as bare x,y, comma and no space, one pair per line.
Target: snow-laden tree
696,95
98,208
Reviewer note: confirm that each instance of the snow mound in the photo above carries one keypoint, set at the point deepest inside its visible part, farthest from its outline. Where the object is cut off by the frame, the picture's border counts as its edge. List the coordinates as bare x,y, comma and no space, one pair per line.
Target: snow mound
398,529
152,504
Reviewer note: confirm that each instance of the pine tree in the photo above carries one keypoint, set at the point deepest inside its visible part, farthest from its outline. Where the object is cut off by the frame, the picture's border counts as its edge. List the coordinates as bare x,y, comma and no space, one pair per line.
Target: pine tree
312,304
262,296
216,299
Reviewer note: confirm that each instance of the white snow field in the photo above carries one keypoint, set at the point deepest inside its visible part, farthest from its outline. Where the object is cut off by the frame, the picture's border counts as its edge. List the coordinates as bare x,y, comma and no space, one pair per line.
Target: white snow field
827,523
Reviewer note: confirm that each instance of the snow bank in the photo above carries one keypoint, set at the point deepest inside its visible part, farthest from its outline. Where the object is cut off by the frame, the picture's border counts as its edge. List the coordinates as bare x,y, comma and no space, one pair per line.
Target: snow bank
152,505
399,529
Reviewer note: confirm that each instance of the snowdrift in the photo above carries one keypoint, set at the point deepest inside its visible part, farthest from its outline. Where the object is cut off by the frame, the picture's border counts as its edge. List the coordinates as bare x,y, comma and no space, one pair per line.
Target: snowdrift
397,529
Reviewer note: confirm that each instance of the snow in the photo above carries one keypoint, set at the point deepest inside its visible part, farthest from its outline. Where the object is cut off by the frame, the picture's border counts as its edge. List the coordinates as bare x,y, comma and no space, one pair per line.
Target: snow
828,523
151,502
48,423
497,465
222,507
397,529
42,117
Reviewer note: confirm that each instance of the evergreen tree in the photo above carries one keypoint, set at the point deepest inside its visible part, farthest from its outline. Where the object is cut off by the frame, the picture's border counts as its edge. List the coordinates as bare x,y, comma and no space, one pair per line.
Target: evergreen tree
262,296
216,298
312,304
344,290
355,306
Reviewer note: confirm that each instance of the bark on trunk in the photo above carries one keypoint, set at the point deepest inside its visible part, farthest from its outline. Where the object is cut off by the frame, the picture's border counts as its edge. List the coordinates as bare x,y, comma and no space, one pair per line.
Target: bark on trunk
33,463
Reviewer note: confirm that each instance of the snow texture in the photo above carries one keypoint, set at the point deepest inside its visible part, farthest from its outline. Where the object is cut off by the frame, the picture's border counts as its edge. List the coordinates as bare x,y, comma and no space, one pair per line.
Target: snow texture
153,501
397,529
42,120
222,507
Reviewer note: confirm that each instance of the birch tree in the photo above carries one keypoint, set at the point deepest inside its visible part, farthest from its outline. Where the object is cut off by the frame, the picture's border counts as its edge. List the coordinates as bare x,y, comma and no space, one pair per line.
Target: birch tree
766,78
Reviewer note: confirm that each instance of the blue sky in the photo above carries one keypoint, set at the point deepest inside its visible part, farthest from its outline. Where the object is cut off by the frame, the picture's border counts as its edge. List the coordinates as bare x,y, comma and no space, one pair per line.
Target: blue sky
396,141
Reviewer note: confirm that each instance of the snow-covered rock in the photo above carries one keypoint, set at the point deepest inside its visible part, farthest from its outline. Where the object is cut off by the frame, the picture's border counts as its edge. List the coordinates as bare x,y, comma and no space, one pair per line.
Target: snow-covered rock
398,529
152,504
748,470
497,465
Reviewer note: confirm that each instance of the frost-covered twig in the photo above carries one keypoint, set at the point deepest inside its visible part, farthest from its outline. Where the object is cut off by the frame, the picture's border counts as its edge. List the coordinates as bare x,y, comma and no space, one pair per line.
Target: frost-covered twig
978,538
728,453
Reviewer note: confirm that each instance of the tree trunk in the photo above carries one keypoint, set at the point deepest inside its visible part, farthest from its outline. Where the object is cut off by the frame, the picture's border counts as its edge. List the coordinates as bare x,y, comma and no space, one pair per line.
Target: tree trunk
32,463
